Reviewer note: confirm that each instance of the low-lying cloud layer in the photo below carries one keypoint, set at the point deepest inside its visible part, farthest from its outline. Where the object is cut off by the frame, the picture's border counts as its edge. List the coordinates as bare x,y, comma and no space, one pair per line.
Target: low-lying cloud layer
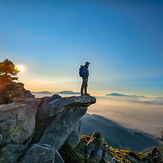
138,112
138,99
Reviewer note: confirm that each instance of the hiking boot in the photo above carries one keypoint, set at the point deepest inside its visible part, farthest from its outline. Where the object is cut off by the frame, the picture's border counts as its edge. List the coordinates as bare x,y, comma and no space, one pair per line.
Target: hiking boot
87,94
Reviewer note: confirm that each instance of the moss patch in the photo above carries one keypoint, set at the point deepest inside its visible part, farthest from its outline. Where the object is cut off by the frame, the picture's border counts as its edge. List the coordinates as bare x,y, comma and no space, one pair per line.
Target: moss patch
69,155
15,130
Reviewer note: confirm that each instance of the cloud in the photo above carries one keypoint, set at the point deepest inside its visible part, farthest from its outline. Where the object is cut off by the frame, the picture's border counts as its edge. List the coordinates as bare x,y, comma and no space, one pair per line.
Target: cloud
137,99
159,97
148,102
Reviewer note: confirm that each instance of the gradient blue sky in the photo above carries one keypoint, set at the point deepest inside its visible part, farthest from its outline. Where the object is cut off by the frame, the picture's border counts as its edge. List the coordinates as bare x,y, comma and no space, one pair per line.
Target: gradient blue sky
123,41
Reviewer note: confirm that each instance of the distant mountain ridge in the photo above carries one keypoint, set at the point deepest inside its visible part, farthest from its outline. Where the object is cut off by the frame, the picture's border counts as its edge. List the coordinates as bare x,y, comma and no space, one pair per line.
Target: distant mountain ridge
42,92
118,94
68,92
115,134
61,92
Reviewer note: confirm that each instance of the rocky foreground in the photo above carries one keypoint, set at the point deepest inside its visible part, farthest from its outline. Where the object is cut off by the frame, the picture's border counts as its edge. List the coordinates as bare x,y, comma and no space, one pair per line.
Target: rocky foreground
47,130
34,129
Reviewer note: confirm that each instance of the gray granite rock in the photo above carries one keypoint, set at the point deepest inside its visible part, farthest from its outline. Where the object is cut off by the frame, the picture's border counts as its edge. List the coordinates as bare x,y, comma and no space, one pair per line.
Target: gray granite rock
1,138
58,119
11,153
39,153
31,102
17,123
96,155
56,105
61,127
74,137
58,158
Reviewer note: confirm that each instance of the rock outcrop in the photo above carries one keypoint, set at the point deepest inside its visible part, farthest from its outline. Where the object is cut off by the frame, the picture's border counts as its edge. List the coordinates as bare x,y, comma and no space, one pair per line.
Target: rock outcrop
38,130
34,129
39,153
155,155
12,152
74,137
17,123
93,149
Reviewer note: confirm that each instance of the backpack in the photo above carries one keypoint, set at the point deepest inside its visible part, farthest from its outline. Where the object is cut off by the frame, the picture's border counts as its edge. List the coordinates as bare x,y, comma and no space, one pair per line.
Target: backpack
81,71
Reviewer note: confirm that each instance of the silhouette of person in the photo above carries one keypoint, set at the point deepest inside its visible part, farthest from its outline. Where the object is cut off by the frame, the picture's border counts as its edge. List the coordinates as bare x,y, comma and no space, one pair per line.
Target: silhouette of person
85,76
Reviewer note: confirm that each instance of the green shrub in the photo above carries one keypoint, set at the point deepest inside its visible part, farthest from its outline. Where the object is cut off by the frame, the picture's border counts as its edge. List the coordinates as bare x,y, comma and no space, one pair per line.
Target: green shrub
69,154
86,136
142,156
131,153
104,143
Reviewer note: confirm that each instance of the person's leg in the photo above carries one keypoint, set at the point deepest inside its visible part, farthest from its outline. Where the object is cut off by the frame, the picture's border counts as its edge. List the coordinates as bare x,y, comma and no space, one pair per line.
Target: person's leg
82,86
86,85
85,89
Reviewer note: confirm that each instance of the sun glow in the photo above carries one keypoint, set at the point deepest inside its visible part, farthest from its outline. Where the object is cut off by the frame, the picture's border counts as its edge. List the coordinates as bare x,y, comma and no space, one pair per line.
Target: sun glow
19,68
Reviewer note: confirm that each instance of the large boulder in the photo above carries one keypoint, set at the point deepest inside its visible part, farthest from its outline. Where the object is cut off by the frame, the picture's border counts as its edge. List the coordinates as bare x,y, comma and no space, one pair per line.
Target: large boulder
94,152
92,148
94,143
47,110
12,152
96,155
67,113
61,127
49,99
58,158
17,123
33,103
74,137
39,153
53,107
33,130
45,115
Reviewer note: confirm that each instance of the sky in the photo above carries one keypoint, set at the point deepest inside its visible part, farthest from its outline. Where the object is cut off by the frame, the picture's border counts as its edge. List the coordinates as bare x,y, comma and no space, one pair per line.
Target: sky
123,41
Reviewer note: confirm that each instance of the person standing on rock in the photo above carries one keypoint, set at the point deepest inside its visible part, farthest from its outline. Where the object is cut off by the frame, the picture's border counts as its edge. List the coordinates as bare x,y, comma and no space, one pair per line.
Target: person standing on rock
84,74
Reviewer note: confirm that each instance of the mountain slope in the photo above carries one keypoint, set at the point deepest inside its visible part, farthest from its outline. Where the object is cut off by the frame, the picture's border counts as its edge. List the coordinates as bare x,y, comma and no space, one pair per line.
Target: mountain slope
114,134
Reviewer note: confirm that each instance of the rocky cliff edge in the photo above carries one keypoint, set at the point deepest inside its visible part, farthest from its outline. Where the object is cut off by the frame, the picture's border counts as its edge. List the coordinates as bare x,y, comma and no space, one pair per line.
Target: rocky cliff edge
34,129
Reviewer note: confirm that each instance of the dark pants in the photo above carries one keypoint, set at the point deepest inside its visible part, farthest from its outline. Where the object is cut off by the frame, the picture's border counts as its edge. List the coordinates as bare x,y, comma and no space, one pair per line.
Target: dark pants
84,86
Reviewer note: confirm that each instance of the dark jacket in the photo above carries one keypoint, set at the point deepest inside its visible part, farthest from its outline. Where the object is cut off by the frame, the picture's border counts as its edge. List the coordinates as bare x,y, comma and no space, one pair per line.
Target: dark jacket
85,72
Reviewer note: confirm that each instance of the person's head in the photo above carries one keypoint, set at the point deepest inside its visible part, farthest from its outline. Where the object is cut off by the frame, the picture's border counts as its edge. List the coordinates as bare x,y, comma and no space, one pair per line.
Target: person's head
87,63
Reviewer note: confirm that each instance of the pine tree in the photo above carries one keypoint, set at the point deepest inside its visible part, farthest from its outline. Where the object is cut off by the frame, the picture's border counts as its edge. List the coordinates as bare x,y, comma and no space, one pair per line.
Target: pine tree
7,71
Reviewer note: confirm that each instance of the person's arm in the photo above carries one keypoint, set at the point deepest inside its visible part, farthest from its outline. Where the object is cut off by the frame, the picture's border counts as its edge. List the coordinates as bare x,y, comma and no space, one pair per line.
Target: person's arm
87,73
84,72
